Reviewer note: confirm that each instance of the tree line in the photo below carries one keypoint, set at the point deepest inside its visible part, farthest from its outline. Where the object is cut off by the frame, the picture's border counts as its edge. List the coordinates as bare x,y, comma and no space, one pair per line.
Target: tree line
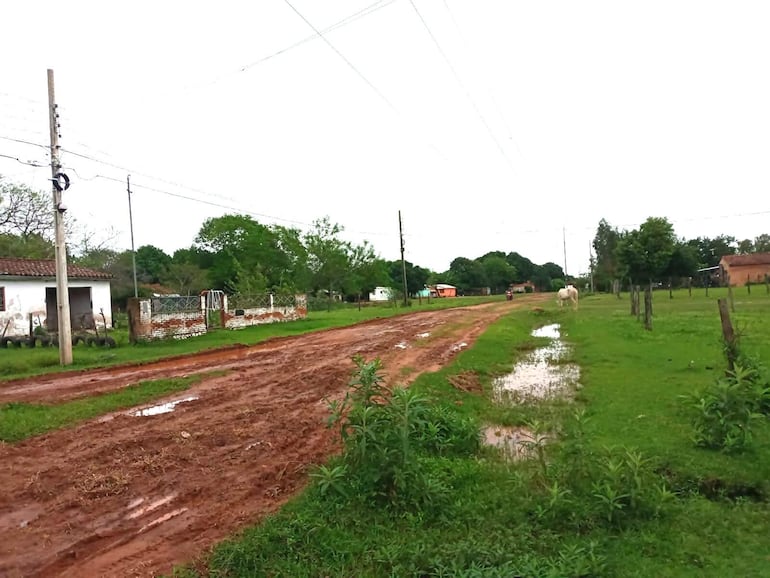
654,253
238,254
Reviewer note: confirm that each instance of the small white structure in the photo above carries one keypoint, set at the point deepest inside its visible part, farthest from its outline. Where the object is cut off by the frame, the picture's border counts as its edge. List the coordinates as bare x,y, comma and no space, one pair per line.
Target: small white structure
28,290
381,294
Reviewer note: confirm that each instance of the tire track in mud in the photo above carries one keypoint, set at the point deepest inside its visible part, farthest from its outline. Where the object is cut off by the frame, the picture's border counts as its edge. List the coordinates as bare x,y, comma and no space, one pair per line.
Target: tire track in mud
123,495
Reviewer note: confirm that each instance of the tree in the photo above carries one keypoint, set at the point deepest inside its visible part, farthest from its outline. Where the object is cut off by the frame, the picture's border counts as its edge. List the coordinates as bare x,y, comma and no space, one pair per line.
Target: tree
683,262
327,256
605,244
762,243
467,274
366,270
710,251
645,253
151,264
498,272
184,278
416,277
745,247
25,212
525,269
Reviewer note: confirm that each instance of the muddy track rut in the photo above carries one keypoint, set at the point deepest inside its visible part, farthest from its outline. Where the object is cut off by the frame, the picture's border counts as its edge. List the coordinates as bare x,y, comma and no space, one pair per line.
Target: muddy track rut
126,495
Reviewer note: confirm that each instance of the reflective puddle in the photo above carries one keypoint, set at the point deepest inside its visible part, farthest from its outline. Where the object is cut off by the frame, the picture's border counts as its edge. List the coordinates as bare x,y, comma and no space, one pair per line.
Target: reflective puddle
542,374
515,443
163,408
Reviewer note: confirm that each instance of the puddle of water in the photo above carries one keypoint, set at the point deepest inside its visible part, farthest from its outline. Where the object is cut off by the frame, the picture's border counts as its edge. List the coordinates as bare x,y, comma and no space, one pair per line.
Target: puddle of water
423,335
149,507
163,408
459,346
542,374
401,345
515,443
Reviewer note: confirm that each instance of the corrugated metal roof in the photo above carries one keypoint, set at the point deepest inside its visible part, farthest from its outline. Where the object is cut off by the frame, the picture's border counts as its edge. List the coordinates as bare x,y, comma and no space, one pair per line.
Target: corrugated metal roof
12,267
743,260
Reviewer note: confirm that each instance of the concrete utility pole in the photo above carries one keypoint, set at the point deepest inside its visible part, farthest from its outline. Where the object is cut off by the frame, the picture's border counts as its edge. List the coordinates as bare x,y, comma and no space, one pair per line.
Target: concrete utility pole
403,263
131,224
564,240
62,287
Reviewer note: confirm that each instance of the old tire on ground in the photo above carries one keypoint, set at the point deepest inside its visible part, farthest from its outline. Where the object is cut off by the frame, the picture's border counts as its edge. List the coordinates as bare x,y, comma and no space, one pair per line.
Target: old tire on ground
110,342
18,341
44,340
78,339
5,341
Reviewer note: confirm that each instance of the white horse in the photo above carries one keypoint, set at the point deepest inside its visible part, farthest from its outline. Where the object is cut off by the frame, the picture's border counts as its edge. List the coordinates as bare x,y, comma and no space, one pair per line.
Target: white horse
568,293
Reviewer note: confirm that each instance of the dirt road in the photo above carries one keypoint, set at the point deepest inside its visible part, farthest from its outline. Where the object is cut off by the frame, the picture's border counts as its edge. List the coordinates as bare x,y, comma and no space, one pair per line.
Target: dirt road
132,495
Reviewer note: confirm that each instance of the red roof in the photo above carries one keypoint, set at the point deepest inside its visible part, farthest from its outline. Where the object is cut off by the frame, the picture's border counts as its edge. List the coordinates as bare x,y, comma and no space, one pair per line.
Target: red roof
744,260
46,268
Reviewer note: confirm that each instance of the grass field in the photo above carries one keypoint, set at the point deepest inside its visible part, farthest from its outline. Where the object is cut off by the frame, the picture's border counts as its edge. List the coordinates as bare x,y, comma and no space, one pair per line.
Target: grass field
16,363
623,492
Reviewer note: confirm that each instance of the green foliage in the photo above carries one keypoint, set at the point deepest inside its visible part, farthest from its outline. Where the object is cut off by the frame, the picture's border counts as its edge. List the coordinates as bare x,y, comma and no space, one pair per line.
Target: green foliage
645,253
387,436
726,410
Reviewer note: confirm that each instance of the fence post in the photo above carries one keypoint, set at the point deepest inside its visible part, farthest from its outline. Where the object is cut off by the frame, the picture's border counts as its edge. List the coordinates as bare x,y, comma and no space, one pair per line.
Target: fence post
648,308
670,293
728,334
730,297
748,283
689,286
767,283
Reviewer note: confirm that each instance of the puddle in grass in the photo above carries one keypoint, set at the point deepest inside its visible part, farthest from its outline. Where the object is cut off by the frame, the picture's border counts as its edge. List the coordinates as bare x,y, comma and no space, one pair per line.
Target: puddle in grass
163,408
515,443
542,374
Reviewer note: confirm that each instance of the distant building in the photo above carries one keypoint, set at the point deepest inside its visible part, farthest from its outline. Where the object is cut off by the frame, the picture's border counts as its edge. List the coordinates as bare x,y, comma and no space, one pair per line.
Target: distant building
738,270
28,292
522,287
382,294
443,290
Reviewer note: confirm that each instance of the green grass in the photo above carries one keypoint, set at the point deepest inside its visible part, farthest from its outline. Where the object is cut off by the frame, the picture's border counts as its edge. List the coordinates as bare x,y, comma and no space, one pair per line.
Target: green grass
18,363
19,421
484,517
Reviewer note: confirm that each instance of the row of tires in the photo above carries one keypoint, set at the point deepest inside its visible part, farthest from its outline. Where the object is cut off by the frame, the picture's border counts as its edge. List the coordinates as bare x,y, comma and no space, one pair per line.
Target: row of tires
53,341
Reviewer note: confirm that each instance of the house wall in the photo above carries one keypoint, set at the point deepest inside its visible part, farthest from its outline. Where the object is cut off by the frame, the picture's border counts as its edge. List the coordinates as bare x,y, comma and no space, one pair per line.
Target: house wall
740,274
28,296
240,318
381,294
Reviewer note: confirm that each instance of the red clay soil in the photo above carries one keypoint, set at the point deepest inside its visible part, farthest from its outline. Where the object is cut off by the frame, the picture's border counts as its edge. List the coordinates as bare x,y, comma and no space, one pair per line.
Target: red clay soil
127,495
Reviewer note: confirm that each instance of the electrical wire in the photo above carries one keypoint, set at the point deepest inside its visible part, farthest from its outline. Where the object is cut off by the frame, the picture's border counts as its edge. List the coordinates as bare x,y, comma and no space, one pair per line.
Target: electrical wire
462,86
26,142
350,64
29,163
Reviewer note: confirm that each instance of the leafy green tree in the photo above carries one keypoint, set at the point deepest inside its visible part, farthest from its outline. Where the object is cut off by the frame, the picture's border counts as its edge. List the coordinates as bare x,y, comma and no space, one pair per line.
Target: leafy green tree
683,262
184,278
762,243
745,247
525,269
467,274
30,247
366,270
605,244
710,251
151,263
327,256
416,277
498,272
645,253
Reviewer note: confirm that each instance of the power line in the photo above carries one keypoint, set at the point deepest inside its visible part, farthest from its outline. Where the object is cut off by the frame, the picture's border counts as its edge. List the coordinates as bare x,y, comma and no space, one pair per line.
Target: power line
26,142
29,163
350,64
489,92
462,85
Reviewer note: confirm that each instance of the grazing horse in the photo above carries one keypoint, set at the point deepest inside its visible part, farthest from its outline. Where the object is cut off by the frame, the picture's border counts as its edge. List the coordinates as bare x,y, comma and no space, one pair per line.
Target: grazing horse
568,293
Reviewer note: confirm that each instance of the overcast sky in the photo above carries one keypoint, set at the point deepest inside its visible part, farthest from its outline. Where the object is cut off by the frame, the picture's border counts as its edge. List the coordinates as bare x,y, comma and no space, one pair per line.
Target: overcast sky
490,124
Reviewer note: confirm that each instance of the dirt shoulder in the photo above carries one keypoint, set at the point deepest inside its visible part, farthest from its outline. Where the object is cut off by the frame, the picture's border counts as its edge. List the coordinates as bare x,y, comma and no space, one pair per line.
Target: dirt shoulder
127,495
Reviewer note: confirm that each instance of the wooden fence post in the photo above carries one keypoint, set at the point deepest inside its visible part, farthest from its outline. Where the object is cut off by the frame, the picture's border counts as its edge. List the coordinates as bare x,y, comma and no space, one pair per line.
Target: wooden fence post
648,308
670,293
748,283
728,334
767,284
638,305
731,298
689,286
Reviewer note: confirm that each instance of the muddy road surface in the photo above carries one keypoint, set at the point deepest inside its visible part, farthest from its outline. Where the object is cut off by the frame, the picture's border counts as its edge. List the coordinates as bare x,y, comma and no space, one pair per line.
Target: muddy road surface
132,495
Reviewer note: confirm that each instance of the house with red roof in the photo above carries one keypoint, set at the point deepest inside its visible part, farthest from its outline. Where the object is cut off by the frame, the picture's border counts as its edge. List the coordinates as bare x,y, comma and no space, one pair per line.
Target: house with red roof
737,270
28,296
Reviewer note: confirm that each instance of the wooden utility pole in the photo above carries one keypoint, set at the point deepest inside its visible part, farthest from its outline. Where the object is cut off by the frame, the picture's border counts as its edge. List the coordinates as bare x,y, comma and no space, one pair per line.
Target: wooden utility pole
62,287
591,263
403,263
131,224
728,334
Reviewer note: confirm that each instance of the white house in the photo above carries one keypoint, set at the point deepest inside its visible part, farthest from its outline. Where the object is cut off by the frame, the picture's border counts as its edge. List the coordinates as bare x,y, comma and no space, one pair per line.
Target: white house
381,294
28,289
